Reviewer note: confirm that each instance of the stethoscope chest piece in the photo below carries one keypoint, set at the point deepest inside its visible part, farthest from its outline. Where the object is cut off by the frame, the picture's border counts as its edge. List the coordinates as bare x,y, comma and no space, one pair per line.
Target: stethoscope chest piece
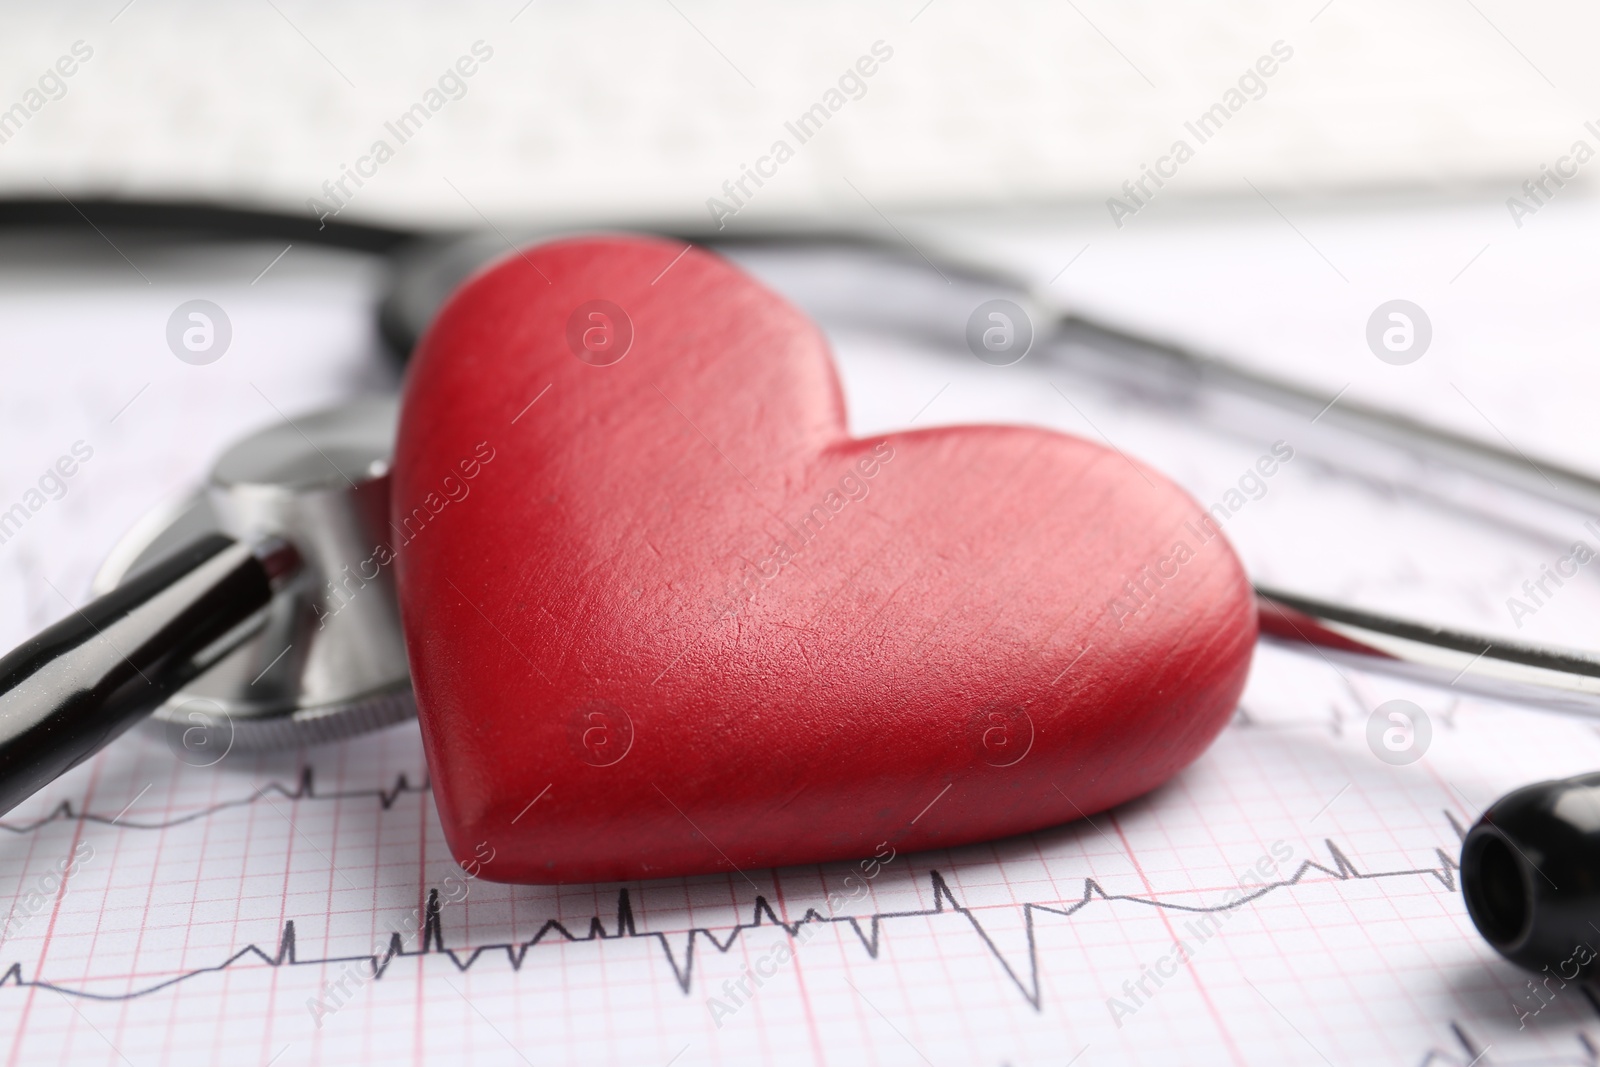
325,658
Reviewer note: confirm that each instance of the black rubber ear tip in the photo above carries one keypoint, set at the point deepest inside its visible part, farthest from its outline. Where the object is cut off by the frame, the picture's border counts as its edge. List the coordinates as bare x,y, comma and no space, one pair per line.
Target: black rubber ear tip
1530,872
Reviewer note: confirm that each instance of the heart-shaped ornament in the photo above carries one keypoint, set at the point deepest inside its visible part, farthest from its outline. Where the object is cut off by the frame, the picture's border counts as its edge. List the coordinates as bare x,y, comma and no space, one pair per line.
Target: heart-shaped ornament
666,617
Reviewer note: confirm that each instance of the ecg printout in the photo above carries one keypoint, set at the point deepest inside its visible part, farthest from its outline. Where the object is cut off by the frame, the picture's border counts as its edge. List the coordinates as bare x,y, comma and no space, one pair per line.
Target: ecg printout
301,908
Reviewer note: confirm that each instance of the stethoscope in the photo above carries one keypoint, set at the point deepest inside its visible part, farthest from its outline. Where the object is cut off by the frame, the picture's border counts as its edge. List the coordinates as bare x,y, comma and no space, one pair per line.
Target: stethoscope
253,616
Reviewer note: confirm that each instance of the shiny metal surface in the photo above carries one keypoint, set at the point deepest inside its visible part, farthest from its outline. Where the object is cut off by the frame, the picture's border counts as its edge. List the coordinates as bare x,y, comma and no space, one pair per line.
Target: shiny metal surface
1558,679
327,658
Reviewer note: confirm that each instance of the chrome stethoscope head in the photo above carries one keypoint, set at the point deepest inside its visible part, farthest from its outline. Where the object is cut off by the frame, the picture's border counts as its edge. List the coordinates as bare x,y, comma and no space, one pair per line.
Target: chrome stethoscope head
324,658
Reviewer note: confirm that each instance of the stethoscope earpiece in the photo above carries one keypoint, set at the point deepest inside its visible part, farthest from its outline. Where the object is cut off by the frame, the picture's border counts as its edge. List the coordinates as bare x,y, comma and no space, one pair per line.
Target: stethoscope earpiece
1530,872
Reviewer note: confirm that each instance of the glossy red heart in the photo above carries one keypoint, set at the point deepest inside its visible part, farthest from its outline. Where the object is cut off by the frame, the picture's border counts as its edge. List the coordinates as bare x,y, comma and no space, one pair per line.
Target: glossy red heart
665,617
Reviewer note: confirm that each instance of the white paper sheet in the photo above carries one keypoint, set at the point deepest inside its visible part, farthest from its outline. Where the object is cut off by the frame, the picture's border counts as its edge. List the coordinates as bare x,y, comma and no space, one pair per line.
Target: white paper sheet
229,914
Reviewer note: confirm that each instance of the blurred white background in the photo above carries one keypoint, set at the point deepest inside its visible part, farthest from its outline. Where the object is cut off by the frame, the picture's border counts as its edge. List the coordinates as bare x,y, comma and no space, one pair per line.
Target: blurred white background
640,110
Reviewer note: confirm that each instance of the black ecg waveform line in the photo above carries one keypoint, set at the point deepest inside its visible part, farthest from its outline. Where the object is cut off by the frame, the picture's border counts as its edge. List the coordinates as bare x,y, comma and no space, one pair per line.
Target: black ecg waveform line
304,789
868,929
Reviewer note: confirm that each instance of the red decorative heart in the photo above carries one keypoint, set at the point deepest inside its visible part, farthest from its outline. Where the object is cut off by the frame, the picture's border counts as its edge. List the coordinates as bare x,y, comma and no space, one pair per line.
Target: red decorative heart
665,617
